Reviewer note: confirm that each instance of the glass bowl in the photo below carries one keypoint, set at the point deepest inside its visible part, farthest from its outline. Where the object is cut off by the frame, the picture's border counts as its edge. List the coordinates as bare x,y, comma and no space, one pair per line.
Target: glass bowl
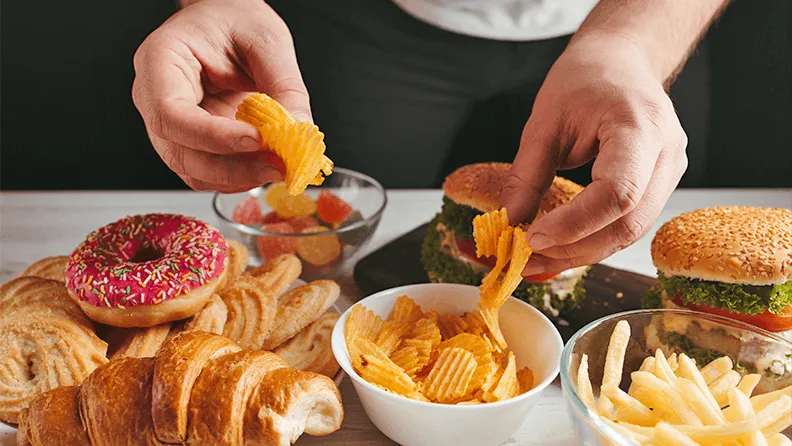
363,193
752,350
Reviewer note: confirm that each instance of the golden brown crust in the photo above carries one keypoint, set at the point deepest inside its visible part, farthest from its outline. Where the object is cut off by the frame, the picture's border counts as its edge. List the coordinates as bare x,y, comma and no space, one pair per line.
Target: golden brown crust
288,402
479,186
279,273
219,398
732,244
142,342
53,418
45,342
115,403
311,350
211,318
169,310
251,310
178,364
53,268
238,258
298,308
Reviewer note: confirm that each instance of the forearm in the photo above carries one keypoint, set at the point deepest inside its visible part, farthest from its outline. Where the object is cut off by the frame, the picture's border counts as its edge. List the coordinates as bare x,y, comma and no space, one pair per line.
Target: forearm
666,31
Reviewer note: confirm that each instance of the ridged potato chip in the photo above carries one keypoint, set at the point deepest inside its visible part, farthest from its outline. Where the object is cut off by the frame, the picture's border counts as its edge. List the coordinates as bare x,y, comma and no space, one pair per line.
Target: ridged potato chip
502,257
490,316
406,358
391,335
451,325
299,144
405,311
378,370
360,346
426,329
450,375
526,379
487,229
508,386
467,342
475,323
362,323
496,291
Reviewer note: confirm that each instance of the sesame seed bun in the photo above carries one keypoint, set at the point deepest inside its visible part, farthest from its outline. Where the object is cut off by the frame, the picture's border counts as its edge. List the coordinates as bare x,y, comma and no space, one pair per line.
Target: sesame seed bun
479,186
732,244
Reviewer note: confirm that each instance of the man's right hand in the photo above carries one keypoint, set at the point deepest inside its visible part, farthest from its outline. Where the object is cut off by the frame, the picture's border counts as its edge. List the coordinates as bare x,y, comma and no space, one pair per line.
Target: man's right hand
193,71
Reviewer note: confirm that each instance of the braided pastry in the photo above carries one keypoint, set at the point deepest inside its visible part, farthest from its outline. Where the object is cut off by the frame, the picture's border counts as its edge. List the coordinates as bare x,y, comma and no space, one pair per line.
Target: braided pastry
311,349
53,268
45,342
201,388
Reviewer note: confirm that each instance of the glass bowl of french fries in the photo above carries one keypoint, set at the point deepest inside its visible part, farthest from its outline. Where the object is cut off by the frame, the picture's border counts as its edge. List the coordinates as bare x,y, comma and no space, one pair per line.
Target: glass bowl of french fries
677,377
325,226
444,399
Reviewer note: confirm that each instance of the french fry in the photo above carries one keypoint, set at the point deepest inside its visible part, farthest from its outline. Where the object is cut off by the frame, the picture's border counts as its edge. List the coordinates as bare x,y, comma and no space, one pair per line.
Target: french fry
667,396
687,369
661,368
648,365
720,387
741,404
716,369
754,439
748,383
672,362
763,419
614,361
759,402
778,440
700,404
665,434
584,384
628,408
627,433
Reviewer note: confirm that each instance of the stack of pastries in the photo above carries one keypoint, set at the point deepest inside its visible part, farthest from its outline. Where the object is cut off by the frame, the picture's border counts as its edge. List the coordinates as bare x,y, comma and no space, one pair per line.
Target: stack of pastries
95,353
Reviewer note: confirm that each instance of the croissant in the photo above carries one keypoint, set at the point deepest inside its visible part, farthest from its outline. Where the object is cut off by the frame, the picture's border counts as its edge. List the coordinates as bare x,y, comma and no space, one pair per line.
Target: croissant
200,388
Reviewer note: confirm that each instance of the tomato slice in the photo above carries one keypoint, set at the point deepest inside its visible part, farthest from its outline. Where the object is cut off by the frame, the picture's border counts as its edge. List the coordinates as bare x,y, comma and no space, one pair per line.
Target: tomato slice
468,249
767,320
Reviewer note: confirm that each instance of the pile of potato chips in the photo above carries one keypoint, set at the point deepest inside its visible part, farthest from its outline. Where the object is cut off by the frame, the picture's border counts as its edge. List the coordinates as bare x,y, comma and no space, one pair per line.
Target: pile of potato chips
299,144
447,359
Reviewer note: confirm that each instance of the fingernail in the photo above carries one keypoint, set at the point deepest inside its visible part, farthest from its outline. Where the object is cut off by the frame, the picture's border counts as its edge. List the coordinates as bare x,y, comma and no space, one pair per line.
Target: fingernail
269,174
245,144
303,117
533,268
539,242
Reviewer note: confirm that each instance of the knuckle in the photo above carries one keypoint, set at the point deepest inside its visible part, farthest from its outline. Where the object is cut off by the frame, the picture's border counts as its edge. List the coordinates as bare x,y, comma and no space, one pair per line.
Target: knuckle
625,194
174,159
156,118
627,230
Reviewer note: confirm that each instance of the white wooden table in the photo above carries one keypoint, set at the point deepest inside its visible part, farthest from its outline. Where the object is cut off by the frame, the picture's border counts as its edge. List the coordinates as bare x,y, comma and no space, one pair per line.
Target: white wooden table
35,225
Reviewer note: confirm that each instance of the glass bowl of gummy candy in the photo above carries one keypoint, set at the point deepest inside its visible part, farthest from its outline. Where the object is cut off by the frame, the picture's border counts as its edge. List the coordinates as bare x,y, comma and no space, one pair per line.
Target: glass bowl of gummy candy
325,226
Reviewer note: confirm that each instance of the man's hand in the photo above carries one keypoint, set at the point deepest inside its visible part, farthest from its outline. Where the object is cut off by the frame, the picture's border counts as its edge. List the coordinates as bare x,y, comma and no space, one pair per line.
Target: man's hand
192,72
601,99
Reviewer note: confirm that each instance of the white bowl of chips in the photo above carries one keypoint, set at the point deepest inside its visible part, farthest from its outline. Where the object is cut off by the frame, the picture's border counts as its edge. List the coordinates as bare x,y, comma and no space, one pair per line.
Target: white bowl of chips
532,338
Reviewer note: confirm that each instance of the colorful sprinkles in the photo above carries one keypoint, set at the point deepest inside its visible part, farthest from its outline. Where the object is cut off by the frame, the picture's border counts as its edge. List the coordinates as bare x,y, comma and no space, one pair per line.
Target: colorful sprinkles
103,270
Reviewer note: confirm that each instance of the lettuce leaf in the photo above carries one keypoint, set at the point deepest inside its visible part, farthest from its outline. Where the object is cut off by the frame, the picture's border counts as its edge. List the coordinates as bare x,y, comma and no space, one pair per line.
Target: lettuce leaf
458,218
737,298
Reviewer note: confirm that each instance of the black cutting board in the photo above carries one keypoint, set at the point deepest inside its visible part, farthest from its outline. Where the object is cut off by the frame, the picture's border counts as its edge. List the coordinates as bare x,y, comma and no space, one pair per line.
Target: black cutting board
608,290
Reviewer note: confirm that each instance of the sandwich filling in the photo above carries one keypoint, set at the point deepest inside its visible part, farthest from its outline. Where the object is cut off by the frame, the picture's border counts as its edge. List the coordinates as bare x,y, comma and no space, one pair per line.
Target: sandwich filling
448,255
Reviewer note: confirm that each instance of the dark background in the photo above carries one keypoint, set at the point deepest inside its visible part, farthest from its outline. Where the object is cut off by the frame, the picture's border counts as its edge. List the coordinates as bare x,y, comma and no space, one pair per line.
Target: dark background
68,121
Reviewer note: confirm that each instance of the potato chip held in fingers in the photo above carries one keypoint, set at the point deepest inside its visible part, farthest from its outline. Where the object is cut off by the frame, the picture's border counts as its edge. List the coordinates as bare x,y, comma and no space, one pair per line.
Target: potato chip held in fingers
487,229
299,144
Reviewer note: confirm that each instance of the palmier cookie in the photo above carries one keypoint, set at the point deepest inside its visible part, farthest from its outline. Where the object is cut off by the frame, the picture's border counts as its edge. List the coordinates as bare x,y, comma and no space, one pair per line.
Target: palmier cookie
142,342
53,268
211,318
251,310
298,308
279,273
310,350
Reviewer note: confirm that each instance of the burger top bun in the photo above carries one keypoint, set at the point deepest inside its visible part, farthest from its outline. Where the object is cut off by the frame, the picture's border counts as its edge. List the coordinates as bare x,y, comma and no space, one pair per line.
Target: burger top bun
479,186
732,244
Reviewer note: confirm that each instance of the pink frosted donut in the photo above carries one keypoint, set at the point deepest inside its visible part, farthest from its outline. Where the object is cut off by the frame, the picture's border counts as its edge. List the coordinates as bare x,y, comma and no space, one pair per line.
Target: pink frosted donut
145,270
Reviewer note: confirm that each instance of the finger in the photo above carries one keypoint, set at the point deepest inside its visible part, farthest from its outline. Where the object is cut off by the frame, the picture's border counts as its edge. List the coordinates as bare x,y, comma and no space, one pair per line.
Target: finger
532,171
167,91
272,63
243,170
620,175
624,231
198,185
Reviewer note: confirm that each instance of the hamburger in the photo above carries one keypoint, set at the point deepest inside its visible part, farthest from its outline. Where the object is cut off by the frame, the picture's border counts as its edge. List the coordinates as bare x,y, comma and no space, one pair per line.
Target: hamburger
448,253
734,262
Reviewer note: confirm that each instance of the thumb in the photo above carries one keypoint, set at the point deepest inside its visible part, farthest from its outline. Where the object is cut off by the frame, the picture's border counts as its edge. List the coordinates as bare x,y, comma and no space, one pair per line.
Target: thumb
272,64
532,172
